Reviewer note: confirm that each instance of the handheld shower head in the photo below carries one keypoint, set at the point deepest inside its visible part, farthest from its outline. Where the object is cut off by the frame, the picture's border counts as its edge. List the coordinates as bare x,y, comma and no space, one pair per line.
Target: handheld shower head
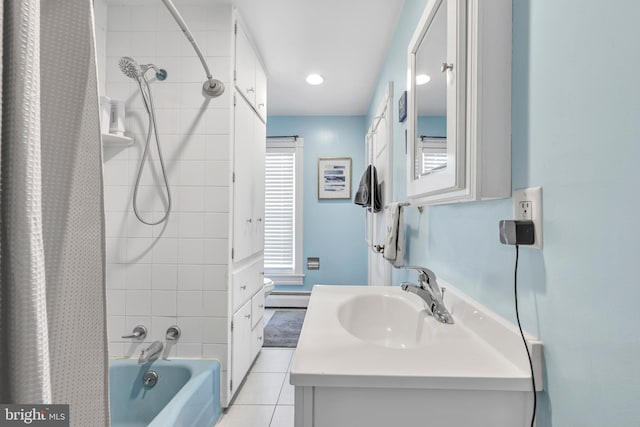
129,67
132,69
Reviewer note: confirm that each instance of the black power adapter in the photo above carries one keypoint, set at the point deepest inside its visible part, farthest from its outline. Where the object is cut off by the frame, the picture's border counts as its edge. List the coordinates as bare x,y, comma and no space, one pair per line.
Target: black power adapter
514,232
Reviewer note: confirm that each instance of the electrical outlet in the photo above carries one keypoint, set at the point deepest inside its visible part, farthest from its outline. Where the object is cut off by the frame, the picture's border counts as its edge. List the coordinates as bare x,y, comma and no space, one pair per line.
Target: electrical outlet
527,205
524,210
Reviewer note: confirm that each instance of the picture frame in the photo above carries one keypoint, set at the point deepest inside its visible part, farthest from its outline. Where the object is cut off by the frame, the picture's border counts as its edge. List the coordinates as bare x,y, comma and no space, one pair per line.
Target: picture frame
334,178
402,107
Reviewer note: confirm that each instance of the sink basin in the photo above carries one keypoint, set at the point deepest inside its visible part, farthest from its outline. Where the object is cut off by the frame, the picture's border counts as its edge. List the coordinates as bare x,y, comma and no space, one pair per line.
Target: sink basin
386,320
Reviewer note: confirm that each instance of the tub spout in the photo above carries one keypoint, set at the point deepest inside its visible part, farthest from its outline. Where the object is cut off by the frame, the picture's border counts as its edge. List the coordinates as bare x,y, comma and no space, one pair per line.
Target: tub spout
153,352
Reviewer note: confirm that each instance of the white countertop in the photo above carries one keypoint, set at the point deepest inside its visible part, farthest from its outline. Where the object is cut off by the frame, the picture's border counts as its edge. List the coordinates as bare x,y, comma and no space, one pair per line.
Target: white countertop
456,357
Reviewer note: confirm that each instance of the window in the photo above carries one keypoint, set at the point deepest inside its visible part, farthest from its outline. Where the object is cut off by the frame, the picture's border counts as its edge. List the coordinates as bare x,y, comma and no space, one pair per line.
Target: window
434,154
283,211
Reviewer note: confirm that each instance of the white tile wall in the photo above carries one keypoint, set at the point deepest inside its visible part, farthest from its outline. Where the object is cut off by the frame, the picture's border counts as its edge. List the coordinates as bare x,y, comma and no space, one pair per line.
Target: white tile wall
175,272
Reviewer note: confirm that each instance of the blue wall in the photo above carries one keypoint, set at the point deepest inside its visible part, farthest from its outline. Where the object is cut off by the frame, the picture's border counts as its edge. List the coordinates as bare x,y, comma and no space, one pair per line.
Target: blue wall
576,133
432,126
333,229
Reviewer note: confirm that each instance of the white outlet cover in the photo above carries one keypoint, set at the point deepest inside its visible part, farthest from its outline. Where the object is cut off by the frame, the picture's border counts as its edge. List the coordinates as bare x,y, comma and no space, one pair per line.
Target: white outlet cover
533,195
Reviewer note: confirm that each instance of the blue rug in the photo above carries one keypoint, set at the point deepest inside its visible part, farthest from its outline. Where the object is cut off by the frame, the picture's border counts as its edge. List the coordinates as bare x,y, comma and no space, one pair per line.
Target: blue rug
283,329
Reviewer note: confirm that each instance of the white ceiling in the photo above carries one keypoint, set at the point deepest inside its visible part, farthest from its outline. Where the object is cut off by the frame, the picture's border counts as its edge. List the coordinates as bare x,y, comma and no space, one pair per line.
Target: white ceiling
345,41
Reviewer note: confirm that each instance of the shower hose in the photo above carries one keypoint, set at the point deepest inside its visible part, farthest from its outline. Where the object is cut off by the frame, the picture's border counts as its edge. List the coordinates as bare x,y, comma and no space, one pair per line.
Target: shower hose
148,104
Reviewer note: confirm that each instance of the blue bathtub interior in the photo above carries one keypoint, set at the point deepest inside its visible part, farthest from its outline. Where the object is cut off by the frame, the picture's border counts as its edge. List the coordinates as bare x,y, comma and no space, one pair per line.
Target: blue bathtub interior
187,393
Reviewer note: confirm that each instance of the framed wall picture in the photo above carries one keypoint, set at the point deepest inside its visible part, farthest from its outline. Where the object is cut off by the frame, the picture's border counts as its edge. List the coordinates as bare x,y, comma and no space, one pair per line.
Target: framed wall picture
402,107
334,178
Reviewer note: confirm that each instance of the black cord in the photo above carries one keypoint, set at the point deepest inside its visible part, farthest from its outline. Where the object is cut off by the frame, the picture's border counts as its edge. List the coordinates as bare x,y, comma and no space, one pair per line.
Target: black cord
533,380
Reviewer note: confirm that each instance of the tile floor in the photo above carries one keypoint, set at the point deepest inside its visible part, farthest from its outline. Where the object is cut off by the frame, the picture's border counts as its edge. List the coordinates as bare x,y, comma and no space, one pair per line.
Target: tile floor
266,397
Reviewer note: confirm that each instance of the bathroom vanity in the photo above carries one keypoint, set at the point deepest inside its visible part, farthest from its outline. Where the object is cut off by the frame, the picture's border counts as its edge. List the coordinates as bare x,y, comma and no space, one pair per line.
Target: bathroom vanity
372,356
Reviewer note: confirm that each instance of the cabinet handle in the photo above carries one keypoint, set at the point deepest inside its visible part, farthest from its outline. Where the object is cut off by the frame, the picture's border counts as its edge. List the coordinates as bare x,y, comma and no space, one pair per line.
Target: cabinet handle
248,316
260,105
259,219
250,89
444,67
249,220
243,287
261,306
260,338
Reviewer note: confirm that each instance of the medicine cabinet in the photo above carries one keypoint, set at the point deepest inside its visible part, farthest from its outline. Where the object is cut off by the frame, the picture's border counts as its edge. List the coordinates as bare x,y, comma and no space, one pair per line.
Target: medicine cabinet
459,102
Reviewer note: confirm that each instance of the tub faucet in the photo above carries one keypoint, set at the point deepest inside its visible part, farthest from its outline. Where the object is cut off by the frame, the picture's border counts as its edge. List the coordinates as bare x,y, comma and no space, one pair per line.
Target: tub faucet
152,352
430,292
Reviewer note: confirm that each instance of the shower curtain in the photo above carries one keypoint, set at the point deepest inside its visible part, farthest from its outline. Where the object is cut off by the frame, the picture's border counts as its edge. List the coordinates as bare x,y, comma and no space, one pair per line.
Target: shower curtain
53,345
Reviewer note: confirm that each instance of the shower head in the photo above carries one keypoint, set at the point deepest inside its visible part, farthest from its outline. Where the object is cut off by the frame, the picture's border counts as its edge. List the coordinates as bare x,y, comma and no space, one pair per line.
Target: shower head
129,67
132,69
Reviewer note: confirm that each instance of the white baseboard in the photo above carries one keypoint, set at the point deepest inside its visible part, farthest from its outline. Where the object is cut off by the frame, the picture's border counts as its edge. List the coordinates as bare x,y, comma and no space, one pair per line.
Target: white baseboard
289,300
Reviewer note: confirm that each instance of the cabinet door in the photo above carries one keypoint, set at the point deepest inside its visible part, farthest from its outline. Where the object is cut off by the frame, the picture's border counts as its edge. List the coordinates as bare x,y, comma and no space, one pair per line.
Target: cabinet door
245,66
257,308
257,314
246,282
243,215
241,352
259,151
242,286
256,340
438,49
261,91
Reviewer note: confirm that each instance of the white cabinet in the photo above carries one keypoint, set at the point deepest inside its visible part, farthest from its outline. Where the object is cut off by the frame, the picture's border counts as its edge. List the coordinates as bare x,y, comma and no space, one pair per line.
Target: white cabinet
248,172
256,339
257,327
247,275
246,282
245,69
459,103
250,76
241,342
257,307
247,297
250,98
243,180
258,163
247,327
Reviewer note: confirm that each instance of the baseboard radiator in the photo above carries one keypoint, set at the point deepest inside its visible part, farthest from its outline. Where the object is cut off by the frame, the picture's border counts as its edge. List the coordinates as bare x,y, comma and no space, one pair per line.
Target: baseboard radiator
287,300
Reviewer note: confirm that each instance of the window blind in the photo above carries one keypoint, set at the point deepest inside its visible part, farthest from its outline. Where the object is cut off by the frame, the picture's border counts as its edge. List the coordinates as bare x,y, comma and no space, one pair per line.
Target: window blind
432,159
279,225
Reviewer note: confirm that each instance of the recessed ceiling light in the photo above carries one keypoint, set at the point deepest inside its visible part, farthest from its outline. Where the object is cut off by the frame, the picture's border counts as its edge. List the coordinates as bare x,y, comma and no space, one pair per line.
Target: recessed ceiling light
315,79
422,79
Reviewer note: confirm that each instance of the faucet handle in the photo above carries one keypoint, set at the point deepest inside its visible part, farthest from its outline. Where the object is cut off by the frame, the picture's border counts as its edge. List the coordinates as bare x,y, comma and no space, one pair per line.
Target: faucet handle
173,333
139,333
442,289
405,285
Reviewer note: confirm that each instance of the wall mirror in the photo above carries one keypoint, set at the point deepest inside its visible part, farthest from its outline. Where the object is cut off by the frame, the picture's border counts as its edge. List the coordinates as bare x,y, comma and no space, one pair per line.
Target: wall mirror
436,101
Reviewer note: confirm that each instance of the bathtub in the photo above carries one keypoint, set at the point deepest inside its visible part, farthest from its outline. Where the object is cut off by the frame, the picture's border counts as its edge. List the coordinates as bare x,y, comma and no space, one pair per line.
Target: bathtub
187,393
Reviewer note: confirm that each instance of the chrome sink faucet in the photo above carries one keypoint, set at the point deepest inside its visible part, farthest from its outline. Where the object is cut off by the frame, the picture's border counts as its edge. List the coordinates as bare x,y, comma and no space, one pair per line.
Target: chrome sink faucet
152,352
430,292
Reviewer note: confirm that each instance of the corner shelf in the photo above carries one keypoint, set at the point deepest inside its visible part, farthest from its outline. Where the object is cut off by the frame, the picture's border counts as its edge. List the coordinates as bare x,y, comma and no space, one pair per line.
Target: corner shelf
111,140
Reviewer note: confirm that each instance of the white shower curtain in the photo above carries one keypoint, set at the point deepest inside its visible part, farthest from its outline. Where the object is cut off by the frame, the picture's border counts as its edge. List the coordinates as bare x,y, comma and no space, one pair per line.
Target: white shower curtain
52,296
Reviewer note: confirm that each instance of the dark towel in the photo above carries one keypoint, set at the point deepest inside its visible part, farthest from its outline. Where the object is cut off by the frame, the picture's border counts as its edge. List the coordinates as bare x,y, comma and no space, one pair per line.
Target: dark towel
363,195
